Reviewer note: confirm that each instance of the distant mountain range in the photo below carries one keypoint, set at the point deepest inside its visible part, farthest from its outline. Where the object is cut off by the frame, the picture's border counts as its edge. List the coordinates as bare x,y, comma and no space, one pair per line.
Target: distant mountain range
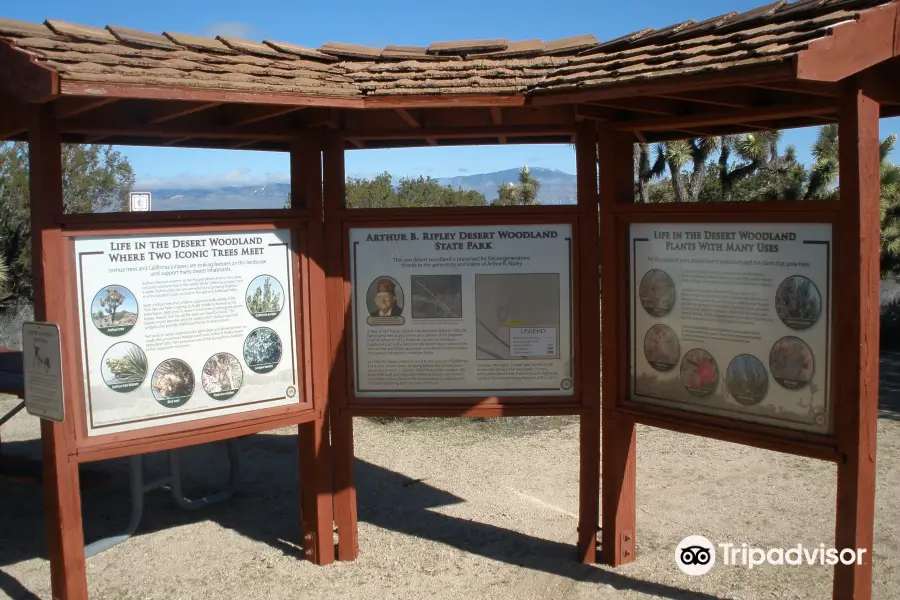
557,187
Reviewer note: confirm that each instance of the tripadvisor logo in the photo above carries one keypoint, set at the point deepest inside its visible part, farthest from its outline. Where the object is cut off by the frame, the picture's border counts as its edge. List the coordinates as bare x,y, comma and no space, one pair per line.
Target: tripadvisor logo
695,555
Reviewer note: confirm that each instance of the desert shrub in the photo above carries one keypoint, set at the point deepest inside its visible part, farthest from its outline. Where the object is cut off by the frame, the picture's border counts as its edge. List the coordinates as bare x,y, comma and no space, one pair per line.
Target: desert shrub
11,319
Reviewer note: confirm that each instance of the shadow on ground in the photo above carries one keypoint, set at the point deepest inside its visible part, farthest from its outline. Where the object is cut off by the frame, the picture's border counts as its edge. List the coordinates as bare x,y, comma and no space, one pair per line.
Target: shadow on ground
266,509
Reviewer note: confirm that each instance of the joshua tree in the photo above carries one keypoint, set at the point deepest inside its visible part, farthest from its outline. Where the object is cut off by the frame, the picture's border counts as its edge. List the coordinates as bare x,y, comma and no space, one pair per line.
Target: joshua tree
112,301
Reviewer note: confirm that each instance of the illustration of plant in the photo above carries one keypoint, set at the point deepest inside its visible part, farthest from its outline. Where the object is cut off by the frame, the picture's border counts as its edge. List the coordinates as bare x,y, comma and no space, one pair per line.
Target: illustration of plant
173,378
798,300
131,367
747,379
790,358
699,372
112,301
661,345
657,292
264,299
222,373
262,346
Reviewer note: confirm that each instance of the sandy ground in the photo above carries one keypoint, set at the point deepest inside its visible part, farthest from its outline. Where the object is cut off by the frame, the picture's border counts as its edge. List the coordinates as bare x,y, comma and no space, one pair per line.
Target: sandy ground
457,510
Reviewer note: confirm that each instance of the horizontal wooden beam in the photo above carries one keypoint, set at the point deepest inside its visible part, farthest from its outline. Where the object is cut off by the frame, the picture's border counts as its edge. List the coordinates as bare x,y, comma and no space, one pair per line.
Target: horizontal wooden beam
852,47
594,113
243,144
653,105
809,88
183,112
880,83
776,71
728,97
443,101
457,132
264,115
151,92
175,131
726,117
176,141
24,78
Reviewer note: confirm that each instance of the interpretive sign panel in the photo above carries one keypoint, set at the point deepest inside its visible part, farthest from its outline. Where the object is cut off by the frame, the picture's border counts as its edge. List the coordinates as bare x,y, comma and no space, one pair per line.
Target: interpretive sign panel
183,326
42,368
733,320
462,311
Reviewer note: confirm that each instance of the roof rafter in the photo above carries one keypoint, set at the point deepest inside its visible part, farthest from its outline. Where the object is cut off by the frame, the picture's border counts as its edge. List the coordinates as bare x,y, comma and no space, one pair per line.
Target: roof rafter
182,112
726,117
79,106
23,77
408,117
852,47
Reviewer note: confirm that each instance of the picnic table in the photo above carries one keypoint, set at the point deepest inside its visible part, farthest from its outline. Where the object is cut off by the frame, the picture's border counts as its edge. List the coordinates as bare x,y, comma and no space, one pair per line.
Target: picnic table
12,381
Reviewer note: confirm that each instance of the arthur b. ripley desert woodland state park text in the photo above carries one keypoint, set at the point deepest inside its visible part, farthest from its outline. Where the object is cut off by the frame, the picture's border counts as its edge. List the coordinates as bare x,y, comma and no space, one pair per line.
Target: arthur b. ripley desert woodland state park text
733,320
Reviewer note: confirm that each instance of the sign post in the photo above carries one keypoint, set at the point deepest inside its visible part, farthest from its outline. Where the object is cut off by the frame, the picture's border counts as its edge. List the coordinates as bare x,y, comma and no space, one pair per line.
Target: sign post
139,201
43,371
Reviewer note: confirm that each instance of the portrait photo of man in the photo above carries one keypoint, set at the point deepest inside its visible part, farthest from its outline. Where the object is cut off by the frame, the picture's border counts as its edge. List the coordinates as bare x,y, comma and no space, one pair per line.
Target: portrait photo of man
385,298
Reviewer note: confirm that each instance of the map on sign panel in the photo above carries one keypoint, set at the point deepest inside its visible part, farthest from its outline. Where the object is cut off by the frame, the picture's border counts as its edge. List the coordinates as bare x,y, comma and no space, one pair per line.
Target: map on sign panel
517,315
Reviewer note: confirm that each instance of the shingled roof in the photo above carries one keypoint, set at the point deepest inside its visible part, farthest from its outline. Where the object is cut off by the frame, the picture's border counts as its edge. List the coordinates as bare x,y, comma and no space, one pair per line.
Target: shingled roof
118,55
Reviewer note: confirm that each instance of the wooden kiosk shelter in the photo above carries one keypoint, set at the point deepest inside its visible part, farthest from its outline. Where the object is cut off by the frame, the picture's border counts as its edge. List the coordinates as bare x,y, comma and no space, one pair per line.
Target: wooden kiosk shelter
783,65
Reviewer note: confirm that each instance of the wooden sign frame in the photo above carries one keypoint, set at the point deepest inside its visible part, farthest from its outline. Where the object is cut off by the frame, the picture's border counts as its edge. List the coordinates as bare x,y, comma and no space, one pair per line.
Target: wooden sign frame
585,317
853,346
729,429
164,437
485,217
66,445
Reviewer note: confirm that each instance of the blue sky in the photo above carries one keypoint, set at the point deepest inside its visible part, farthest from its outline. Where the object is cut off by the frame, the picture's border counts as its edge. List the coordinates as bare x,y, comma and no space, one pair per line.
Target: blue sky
403,22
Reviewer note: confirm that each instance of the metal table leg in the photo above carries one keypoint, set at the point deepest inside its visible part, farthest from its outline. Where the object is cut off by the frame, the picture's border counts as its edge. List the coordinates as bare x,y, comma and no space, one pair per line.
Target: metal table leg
173,480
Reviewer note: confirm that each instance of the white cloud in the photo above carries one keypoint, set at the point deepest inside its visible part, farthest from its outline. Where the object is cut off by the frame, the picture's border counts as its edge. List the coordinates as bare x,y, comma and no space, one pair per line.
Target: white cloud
237,177
230,29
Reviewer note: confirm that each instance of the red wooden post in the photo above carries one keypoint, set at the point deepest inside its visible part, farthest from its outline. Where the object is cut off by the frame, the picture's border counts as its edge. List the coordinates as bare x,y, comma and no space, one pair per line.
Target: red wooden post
345,516
589,263
62,496
619,451
313,443
856,280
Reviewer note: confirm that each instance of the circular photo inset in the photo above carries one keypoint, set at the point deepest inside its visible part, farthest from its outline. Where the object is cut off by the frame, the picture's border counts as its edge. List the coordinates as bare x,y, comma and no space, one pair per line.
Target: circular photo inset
265,298
661,348
262,350
657,292
222,376
699,372
172,383
384,298
746,379
798,302
124,367
114,310
791,362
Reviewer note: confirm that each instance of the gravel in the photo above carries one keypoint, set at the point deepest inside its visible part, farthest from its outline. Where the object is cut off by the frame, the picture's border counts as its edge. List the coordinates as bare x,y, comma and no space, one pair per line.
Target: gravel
454,509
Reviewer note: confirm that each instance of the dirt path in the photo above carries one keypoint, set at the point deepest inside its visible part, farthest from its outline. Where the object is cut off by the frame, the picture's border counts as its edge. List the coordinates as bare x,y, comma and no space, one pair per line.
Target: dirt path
456,510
